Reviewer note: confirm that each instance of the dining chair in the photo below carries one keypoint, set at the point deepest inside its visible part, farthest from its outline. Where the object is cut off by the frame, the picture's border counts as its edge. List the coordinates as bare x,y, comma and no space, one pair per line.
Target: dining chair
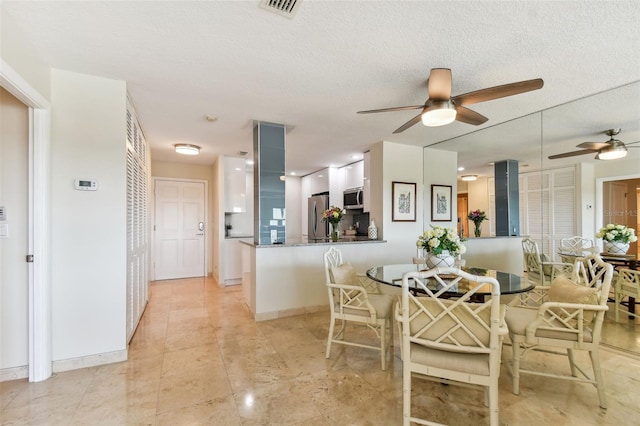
450,341
578,244
627,285
570,319
539,267
349,301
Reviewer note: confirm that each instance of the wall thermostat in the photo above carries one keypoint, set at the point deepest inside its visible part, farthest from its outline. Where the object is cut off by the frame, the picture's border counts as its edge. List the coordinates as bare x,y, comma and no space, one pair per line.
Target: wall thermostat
86,185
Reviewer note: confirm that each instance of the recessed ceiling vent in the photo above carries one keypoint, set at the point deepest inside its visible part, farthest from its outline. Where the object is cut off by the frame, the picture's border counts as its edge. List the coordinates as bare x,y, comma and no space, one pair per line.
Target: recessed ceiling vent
286,8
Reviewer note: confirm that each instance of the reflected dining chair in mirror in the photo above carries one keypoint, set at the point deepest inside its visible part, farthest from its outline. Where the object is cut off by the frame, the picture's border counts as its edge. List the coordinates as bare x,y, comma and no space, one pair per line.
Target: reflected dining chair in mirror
540,269
626,285
450,341
570,319
350,302
577,244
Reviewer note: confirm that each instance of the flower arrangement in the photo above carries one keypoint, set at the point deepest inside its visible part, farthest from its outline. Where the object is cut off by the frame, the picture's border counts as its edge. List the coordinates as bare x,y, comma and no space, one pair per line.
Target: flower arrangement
620,233
333,214
438,239
477,216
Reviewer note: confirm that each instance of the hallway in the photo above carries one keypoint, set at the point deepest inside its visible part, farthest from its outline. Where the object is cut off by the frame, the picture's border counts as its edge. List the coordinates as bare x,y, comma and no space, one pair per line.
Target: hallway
199,358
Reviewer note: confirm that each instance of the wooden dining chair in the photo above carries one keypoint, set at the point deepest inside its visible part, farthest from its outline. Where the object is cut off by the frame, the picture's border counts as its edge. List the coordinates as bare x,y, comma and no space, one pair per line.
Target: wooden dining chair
450,341
350,302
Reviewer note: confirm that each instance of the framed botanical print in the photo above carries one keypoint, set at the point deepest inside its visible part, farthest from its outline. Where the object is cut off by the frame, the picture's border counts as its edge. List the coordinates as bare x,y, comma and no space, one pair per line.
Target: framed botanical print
403,202
441,203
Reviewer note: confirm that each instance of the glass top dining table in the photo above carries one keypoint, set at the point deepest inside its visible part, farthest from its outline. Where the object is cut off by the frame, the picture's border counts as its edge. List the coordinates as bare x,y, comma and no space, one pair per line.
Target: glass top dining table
509,283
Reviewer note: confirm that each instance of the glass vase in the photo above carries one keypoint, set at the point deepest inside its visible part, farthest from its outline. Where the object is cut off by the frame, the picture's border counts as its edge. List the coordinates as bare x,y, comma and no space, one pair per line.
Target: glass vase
478,230
335,231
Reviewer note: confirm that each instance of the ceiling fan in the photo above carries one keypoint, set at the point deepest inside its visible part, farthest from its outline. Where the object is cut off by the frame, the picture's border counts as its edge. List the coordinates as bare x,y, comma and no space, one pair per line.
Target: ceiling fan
609,150
441,108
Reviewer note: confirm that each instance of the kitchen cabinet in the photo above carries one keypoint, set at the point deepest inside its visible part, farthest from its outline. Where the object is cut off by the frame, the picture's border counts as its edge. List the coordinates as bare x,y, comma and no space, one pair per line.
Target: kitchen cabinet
353,175
366,180
319,181
232,273
235,181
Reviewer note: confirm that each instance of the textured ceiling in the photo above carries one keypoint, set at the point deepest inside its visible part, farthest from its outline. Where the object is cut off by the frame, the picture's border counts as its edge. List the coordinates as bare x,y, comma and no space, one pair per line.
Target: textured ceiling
183,60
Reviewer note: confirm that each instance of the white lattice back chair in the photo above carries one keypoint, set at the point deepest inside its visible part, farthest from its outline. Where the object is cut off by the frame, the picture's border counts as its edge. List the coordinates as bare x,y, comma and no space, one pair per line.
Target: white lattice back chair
627,285
540,271
350,302
578,244
334,257
450,341
570,319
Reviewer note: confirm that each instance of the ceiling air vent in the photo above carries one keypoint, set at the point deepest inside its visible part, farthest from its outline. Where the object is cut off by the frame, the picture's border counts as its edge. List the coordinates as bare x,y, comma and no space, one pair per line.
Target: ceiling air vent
286,8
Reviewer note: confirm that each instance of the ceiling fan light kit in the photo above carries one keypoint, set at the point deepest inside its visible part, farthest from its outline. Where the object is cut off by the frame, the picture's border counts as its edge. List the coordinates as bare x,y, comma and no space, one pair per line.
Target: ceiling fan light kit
187,149
438,113
615,151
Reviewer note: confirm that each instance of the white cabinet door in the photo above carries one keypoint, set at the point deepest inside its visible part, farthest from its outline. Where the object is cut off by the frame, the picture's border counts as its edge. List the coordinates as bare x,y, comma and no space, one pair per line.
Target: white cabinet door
353,175
232,261
366,180
320,181
235,178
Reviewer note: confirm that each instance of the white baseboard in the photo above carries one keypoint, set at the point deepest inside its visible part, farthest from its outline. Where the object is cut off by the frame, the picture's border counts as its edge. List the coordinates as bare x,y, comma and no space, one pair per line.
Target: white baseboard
266,316
14,373
89,361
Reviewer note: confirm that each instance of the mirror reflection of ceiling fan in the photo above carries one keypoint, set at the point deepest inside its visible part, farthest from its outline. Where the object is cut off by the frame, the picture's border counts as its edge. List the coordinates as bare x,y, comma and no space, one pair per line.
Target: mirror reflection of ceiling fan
440,108
609,150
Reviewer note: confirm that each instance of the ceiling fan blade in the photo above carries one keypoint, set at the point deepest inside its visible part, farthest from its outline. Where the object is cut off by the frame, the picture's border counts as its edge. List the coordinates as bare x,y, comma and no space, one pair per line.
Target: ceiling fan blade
402,108
593,145
469,116
498,92
440,84
405,126
572,153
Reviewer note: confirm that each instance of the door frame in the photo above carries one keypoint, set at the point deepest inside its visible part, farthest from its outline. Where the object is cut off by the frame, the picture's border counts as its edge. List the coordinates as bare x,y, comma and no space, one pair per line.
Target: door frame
39,272
207,234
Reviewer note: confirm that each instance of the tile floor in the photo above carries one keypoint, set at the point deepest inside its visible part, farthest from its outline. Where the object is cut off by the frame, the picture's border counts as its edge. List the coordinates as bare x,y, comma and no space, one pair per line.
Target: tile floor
198,358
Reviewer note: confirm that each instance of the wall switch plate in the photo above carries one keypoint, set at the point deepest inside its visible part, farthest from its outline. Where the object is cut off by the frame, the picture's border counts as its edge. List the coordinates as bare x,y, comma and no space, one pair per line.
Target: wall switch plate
4,231
274,236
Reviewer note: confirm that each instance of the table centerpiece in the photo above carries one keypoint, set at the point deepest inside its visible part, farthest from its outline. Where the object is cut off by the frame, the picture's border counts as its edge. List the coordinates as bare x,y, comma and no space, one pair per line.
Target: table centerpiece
616,238
477,217
442,245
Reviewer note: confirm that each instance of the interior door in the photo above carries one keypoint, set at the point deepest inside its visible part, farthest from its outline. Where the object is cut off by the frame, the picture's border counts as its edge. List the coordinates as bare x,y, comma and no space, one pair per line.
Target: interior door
179,229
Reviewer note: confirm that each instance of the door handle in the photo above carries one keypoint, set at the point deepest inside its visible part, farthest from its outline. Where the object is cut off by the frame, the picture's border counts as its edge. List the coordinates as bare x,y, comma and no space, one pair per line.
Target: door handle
200,233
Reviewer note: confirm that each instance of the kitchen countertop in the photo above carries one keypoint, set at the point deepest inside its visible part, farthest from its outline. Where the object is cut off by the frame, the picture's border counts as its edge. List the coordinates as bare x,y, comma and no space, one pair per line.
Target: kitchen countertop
234,237
325,242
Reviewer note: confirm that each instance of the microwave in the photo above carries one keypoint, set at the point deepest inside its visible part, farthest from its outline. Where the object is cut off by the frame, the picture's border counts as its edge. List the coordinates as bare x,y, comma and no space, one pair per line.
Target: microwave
353,198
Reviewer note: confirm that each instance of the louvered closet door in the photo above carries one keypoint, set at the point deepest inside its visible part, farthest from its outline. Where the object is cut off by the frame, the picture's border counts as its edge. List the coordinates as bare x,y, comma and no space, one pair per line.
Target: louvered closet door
179,243
137,225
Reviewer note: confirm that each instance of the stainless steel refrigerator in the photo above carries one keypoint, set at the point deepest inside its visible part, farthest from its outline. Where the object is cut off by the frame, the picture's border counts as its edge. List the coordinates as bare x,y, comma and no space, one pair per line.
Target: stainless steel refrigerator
318,229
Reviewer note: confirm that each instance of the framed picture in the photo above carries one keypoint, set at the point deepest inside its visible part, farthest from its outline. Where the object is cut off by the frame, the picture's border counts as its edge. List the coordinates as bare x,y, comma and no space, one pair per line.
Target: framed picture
441,203
403,202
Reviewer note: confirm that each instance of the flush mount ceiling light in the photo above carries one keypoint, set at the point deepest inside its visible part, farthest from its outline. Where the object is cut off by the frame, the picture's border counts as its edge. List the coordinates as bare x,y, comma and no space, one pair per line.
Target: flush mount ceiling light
613,152
468,178
187,149
438,113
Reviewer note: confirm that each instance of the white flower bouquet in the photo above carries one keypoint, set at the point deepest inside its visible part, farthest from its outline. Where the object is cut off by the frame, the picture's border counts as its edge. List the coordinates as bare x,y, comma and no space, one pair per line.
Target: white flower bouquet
438,239
620,233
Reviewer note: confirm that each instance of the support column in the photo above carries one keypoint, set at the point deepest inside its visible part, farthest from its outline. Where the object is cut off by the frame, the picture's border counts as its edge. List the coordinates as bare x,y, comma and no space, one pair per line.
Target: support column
507,198
269,187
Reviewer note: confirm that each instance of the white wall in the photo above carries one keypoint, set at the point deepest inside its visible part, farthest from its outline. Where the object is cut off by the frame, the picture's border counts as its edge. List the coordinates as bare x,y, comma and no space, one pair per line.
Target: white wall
440,168
20,55
89,228
14,152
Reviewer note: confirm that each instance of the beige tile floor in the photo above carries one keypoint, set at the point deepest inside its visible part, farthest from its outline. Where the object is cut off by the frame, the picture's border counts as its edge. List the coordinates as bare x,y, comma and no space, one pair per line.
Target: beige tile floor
198,358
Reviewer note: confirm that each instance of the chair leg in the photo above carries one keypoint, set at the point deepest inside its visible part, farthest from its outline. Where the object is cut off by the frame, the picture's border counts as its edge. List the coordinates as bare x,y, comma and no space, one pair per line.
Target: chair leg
383,345
493,402
330,338
572,363
597,372
617,300
406,394
515,347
